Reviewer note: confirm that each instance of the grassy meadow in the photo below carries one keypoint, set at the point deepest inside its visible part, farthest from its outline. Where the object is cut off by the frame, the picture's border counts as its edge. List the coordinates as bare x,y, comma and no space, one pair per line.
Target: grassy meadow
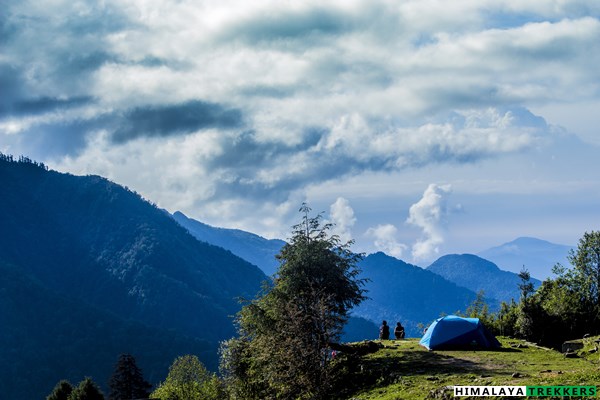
403,369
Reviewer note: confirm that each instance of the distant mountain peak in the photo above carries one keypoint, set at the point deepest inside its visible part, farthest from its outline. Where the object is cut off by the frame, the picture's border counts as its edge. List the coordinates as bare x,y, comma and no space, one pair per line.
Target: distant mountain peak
538,256
468,259
529,241
398,291
476,273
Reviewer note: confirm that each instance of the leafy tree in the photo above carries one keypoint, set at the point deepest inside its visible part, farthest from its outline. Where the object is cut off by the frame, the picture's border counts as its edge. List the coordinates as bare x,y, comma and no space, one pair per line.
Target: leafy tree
127,381
505,319
479,309
571,302
188,379
524,323
283,346
86,390
526,286
585,274
562,308
61,391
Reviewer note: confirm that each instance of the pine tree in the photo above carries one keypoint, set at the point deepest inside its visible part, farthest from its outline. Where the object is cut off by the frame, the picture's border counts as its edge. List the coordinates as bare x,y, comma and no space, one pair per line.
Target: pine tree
86,390
127,381
61,391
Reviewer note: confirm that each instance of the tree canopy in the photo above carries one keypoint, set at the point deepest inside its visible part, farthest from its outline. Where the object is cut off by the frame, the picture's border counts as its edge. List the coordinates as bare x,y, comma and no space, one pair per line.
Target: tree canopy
569,304
86,390
188,379
284,335
127,381
61,391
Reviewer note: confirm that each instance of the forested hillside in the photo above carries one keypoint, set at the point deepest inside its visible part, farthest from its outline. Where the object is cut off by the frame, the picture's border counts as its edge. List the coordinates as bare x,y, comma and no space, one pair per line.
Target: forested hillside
46,337
252,248
478,274
399,291
96,244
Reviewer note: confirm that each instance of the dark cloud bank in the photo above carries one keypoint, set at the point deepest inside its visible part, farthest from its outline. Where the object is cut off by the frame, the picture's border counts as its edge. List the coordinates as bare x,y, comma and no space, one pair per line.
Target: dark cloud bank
179,119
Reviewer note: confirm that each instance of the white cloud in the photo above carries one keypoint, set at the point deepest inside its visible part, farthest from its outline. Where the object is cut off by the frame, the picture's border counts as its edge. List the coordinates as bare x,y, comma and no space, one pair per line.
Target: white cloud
385,239
342,216
429,214
324,91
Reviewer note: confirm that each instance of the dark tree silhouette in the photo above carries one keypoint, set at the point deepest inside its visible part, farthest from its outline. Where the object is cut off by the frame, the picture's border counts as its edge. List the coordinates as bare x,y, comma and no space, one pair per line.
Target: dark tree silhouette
127,381
87,390
61,391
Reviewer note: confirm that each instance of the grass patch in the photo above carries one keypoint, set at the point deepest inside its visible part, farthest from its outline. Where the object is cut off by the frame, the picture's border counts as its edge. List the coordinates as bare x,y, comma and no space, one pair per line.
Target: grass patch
405,370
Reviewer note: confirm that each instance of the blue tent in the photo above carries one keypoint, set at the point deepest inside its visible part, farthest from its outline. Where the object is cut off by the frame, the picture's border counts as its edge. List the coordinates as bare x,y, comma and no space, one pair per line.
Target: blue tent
452,332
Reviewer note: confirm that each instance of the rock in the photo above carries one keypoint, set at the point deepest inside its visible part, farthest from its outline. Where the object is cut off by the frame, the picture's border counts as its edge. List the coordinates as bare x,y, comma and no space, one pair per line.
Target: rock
572,345
517,375
518,346
444,393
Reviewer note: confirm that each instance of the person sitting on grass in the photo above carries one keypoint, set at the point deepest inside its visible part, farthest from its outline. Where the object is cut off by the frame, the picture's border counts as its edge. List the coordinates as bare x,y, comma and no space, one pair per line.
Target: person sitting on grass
399,331
384,331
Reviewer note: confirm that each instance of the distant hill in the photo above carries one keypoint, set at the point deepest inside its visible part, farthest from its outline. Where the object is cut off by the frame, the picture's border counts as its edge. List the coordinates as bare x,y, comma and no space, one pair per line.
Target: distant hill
261,252
358,329
397,290
538,256
46,337
252,248
476,273
403,292
97,244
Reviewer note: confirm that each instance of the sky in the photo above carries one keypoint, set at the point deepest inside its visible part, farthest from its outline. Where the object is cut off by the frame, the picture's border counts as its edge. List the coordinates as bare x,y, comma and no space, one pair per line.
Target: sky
418,127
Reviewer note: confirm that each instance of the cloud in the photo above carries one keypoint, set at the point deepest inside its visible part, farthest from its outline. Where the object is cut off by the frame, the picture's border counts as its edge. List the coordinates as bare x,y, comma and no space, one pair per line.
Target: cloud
342,216
275,96
429,214
43,105
385,240
179,119
285,24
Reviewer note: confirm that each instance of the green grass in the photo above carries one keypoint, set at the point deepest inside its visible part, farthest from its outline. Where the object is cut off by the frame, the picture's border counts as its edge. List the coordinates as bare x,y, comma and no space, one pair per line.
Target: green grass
405,370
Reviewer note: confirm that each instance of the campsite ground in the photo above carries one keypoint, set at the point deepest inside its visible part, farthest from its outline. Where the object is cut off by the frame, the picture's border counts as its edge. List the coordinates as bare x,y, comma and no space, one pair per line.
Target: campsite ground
404,370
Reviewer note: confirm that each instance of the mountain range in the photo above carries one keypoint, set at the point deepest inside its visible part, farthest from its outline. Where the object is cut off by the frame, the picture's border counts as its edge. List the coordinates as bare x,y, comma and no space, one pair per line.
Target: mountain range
536,255
395,286
478,274
253,248
401,292
89,270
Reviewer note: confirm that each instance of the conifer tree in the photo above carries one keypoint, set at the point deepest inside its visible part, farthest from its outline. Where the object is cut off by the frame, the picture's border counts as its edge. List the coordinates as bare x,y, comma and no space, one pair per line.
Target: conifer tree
127,381
61,391
86,390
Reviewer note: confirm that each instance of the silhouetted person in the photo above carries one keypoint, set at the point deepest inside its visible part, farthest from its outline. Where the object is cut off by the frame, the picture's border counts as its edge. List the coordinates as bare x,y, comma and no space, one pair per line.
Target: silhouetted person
384,331
399,331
